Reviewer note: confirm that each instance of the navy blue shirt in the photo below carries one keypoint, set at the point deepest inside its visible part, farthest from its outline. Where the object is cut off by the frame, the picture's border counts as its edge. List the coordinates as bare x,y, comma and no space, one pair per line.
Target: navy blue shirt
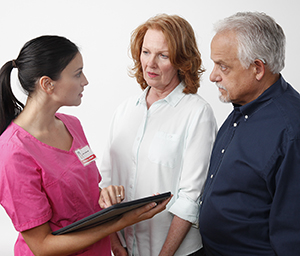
251,200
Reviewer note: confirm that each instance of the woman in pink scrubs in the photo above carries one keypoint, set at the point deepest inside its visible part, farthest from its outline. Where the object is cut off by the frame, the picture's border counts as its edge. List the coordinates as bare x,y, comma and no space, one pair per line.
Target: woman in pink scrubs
48,177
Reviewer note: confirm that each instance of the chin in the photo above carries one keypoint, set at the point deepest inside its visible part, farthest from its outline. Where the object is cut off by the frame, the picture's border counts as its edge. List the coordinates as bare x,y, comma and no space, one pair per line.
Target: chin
77,104
225,99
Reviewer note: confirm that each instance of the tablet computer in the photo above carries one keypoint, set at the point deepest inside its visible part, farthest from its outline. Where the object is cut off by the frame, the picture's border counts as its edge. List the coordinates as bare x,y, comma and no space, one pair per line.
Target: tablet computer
110,213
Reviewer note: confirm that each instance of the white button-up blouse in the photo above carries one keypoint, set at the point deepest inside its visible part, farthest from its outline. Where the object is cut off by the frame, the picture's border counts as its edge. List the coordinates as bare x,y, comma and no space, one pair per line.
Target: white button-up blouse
164,148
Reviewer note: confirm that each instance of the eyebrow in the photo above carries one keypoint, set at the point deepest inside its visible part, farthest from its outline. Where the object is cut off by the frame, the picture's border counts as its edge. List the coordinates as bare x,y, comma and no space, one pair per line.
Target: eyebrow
78,69
146,48
219,62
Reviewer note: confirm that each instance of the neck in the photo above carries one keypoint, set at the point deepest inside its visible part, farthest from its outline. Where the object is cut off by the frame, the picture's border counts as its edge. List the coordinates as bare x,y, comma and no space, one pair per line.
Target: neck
268,80
38,118
259,87
155,94
37,115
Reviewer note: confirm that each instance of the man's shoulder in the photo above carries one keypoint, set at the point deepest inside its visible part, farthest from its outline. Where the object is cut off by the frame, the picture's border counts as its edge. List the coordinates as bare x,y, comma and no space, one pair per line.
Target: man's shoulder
288,106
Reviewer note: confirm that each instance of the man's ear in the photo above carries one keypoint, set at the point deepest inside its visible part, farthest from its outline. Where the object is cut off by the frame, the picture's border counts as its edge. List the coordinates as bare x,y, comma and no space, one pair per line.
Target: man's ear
46,84
259,68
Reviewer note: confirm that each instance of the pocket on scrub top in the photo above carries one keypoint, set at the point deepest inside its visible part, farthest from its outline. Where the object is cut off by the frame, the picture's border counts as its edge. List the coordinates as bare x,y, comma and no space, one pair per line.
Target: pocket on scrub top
165,149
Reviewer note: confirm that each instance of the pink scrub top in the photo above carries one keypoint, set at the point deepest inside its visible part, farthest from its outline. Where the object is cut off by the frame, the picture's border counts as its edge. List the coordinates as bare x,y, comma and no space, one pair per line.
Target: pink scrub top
40,183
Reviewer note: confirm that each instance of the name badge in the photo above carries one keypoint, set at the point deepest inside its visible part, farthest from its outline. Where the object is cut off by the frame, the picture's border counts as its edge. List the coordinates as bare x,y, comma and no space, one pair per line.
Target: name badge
85,155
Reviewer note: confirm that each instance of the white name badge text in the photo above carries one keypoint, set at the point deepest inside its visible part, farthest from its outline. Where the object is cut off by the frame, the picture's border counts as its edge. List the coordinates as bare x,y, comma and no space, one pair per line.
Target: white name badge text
85,155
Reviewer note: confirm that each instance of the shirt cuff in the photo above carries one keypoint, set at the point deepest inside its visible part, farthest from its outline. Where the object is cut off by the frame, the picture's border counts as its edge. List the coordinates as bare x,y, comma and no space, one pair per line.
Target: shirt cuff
186,209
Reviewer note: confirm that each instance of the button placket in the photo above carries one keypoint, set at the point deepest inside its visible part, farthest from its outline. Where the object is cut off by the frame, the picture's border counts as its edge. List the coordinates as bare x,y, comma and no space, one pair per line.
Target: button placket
135,153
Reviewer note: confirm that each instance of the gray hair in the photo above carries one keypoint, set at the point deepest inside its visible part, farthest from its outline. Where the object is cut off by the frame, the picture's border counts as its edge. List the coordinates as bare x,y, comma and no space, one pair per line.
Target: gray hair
258,36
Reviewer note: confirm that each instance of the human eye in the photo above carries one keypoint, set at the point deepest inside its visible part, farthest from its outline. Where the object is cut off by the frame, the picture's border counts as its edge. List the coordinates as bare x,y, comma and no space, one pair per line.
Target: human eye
78,75
223,67
164,56
144,51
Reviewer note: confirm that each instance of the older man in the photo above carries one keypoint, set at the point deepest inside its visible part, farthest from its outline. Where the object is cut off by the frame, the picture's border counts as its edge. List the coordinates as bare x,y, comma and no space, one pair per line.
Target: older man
251,200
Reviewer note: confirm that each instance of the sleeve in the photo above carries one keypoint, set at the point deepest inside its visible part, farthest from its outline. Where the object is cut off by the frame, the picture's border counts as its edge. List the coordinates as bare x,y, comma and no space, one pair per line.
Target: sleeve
198,146
285,210
105,167
21,191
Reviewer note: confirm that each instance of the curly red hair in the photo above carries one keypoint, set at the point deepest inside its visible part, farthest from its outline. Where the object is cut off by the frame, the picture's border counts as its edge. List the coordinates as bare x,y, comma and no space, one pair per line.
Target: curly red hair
183,50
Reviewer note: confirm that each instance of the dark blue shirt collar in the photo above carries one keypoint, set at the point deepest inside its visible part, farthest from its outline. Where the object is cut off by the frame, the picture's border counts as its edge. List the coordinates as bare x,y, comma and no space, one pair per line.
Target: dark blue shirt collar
274,90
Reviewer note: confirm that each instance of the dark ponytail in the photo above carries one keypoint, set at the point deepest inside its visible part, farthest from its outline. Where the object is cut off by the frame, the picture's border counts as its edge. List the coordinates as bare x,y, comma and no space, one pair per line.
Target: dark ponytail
42,56
10,107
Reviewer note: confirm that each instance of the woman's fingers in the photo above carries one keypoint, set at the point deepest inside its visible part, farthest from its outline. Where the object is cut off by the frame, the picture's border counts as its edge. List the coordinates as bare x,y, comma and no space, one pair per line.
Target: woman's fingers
145,212
111,195
120,193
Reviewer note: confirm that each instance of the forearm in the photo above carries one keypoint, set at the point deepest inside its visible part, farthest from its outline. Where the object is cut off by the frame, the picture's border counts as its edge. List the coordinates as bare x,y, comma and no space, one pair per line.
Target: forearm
177,232
117,246
42,242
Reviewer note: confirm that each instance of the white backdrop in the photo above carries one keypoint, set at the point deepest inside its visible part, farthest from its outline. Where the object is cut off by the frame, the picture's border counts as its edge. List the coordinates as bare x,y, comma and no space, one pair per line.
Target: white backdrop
102,31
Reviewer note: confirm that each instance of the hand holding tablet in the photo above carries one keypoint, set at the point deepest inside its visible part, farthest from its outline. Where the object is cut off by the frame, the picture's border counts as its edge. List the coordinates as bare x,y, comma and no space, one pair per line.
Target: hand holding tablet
110,213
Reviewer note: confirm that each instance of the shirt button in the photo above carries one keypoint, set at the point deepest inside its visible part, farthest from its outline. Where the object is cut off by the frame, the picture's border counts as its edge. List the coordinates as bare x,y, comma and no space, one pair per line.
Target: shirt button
211,176
223,150
235,124
201,202
246,116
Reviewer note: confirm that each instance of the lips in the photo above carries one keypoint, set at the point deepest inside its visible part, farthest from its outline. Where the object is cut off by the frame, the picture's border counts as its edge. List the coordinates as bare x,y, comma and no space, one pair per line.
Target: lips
152,75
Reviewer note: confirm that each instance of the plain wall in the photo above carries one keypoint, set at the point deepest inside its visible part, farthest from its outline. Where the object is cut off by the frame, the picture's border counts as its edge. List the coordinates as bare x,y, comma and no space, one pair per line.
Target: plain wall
102,30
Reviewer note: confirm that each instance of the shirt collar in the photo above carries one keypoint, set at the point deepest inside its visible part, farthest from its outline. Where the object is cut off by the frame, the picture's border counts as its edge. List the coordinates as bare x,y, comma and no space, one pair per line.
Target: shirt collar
172,98
265,98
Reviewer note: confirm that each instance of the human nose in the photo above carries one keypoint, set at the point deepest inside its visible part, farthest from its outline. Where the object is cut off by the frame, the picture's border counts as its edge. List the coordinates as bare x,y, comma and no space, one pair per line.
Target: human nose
84,80
152,61
214,75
